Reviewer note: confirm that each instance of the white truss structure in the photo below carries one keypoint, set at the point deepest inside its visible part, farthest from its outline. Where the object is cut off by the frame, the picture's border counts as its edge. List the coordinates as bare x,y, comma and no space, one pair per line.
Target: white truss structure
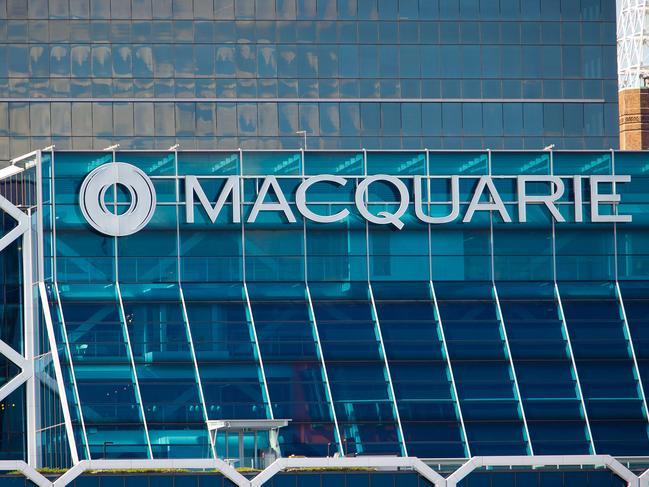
378,464
632,43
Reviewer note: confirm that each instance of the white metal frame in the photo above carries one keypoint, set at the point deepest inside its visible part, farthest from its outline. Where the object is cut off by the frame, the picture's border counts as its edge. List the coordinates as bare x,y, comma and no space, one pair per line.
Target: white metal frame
632,43
542,461
373,463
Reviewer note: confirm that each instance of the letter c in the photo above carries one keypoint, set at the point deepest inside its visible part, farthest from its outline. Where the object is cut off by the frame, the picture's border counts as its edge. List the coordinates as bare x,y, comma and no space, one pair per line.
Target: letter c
300,199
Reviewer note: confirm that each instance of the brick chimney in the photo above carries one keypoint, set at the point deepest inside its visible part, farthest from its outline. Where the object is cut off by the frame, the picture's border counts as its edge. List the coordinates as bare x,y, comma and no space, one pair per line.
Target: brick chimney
634,119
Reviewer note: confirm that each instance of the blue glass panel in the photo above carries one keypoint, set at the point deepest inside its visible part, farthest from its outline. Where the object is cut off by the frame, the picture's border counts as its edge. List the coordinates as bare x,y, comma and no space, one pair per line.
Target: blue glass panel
606,371
635,299
225,351
66,369
340,163
108,397
546,378
165,371
483,376
418,365
296,382
356,368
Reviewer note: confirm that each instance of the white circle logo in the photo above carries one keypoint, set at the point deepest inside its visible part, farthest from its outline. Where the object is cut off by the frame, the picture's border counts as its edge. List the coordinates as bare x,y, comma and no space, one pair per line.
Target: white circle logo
136,184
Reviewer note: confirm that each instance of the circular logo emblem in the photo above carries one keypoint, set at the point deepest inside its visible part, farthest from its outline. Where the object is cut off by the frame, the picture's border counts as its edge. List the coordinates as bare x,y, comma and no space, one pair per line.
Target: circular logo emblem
135,183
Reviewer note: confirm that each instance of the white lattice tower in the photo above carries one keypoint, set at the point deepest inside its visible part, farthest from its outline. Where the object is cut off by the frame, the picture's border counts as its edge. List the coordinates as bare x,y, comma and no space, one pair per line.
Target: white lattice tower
633,42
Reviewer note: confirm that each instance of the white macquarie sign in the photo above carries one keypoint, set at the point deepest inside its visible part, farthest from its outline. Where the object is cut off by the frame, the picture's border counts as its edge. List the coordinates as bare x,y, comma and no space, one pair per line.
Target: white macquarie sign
484,197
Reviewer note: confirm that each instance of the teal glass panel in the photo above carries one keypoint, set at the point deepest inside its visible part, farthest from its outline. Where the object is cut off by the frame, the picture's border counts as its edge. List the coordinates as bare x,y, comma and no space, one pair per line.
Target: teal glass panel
165,371
271,163
584,252
546,377
74,406
483,375
417,357
635,299
274,248
336,251
11,319
293,366
398,255
633,237
210,252
13,426
226,354
151,255
396,163
355,367
462,251
339,163
208,163
82,255
105,379
605,366
460,163
152,163
515,163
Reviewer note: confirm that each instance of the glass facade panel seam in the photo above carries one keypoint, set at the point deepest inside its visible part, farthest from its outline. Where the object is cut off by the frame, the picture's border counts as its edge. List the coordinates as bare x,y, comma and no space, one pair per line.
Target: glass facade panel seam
503,329
258,350
467,446
133,368
330,401
72,371
574,367
629,337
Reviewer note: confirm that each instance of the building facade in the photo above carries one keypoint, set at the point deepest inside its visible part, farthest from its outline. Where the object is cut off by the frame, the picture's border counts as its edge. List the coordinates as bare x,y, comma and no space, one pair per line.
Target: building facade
374,74
253,304
284,234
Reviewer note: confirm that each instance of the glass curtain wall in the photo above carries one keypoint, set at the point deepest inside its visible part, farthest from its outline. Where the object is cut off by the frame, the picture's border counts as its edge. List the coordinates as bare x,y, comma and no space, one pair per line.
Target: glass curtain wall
461,339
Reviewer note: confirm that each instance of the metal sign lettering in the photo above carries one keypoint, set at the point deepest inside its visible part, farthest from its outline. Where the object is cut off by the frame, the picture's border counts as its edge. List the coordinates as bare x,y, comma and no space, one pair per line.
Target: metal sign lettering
270,197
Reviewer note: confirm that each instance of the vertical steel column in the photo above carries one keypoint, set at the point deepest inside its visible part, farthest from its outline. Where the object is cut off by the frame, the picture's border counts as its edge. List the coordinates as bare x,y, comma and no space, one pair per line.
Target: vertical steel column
467,447
502,321
135,379
29,305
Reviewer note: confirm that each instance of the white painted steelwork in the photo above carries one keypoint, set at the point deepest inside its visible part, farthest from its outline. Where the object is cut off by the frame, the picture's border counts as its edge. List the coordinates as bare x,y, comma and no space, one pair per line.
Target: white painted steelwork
632,43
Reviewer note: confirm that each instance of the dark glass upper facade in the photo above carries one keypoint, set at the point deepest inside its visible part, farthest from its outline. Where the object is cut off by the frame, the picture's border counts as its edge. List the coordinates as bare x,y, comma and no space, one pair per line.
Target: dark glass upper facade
375,74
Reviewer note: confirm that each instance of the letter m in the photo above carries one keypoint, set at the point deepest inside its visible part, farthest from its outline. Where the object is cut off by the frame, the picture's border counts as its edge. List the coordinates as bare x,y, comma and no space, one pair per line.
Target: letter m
192,186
